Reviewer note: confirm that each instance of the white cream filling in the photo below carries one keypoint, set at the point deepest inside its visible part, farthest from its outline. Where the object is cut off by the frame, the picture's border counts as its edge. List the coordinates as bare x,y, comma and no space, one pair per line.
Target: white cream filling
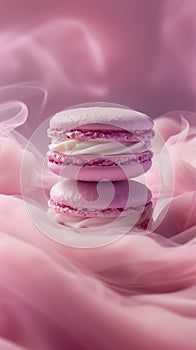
81,222
76,147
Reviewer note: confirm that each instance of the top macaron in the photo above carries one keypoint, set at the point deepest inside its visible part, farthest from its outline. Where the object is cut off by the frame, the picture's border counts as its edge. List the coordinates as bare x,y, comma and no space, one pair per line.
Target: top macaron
96,143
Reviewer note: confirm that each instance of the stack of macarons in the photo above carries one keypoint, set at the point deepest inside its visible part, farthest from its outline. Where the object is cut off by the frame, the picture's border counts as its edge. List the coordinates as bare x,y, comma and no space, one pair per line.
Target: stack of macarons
97,151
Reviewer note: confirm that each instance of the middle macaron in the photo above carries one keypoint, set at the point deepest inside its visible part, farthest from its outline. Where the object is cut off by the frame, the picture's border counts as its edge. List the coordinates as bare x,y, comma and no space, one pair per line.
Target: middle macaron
100,143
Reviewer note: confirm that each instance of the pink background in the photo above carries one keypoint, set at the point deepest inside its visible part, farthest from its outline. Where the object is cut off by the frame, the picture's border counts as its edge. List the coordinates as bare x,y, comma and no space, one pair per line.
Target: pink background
137,53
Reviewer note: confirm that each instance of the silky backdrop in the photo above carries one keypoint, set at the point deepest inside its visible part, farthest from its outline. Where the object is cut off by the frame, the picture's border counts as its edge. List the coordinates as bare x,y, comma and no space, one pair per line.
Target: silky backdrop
137,53
138,292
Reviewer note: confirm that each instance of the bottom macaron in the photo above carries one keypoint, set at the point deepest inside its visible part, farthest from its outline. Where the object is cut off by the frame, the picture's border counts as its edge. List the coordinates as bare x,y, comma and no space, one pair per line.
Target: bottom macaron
82,204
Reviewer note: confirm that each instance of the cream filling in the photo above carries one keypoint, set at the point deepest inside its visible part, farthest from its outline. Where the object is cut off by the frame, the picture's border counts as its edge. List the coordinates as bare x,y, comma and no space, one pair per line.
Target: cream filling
76,147
88,222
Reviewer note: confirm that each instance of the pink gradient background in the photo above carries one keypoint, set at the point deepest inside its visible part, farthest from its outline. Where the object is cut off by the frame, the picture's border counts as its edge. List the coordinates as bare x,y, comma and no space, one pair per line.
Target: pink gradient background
138,293
134,52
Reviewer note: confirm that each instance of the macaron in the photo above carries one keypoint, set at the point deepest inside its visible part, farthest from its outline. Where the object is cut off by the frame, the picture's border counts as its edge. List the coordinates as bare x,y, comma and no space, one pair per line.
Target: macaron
81,204
96,143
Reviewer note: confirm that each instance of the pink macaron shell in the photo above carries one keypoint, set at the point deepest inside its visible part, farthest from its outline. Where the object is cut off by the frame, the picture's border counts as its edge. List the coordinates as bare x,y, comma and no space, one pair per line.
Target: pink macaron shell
95,117
100,195
97,173
88,168
97,213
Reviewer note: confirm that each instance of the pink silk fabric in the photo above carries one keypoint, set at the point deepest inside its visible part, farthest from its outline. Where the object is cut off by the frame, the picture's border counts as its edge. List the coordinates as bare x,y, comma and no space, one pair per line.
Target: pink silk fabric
139,292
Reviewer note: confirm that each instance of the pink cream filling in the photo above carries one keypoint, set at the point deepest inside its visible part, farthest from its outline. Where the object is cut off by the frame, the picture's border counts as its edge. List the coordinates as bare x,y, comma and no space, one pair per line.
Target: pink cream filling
116,135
